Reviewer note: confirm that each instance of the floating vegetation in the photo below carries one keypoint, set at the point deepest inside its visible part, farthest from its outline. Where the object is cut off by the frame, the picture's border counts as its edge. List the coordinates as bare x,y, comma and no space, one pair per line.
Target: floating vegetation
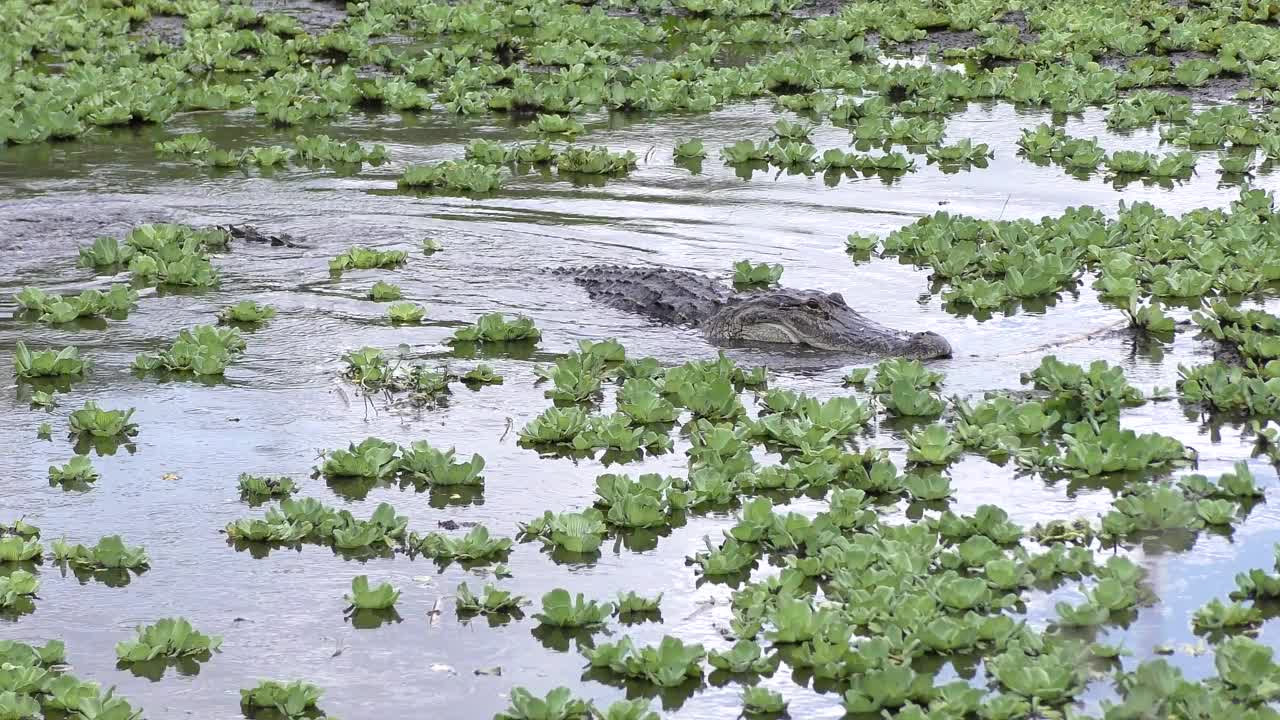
259,488
840,532
97,422
294,699
362,258
247,312
200,350
453,175
115,303
47,363
496,328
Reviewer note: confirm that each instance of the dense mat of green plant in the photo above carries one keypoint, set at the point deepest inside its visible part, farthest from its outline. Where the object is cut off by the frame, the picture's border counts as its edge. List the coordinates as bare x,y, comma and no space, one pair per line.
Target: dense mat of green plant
857,603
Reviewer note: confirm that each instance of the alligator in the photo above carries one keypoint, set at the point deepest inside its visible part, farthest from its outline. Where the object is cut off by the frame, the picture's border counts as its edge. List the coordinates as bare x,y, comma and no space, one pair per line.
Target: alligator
777,315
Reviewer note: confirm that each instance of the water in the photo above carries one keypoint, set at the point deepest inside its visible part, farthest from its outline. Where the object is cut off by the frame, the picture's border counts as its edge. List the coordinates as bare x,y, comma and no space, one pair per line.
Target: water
283,402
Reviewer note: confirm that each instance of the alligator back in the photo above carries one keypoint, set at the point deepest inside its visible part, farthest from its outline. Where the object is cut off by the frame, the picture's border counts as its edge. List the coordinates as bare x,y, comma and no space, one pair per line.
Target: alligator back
674,296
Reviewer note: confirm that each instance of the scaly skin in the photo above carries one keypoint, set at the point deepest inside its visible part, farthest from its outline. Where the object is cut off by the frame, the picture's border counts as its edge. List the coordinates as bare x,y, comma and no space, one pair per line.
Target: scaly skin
783,315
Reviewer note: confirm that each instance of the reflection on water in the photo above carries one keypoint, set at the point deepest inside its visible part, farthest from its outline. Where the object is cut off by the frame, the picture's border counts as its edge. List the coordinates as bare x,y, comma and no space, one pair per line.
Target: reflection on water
282,611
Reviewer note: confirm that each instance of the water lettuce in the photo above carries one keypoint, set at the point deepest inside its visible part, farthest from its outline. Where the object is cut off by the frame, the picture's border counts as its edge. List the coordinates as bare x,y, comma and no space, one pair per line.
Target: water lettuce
292,700
93,420
110,553
558,704
495,328
366,597
246,311
78,469
47,363
372,458
490,600
475,545
167,638
559,609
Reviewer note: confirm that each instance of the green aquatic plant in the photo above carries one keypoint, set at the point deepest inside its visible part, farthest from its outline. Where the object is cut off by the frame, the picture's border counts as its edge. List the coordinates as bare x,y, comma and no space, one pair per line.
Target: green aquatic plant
560,609
495,328
384,292
595,160
1100,391
1217,615
185,144
109,553
200,350
246,311
15,548
885,688
47,363
260,486
372,458
78,469
762,701
117,301
746,656
420,460
106,252
475,545
690,149
934,444
406,312
268,156
1105,449
481,374
366,597
93,420
453,175
555,426
632,604
558,704
747,274
1150,318
963,152
1154,508
670,663
17,586
292,699
575,532
491,600
616,432
324,149
167,638
363,258
730,558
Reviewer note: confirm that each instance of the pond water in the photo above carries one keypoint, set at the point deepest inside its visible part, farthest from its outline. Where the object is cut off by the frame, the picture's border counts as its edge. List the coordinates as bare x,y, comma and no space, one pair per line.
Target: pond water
284,401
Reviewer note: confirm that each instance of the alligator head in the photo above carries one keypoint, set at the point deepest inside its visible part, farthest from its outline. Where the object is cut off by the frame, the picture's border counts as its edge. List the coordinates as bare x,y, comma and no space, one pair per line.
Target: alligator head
821,320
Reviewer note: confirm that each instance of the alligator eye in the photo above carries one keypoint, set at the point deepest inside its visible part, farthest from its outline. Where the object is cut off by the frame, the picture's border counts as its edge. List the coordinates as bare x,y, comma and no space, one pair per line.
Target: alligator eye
813,304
